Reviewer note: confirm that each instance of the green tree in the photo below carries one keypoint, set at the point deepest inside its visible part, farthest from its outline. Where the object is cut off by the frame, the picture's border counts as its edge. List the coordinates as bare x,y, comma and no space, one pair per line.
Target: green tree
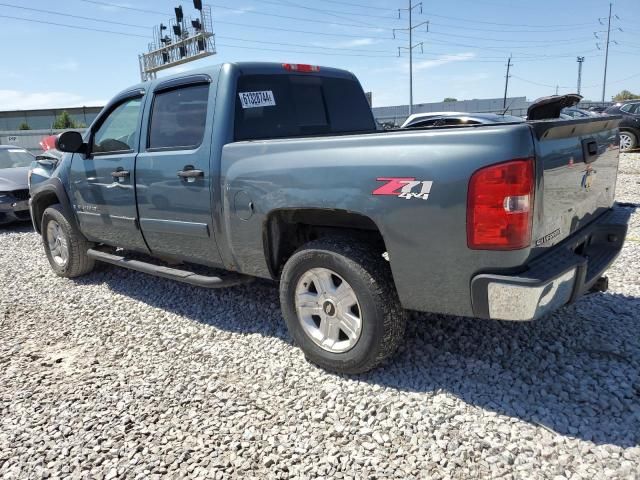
24,126
64,120
625,95
450,99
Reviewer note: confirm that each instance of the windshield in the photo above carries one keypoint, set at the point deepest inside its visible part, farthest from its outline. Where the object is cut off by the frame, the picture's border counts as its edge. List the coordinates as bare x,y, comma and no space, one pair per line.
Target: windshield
14,157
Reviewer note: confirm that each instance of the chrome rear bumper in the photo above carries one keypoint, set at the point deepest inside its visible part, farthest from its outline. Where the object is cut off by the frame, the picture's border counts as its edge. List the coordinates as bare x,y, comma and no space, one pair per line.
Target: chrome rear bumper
554,279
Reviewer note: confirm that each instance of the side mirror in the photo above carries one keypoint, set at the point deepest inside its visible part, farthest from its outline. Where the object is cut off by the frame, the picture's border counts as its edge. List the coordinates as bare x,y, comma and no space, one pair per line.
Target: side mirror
70,142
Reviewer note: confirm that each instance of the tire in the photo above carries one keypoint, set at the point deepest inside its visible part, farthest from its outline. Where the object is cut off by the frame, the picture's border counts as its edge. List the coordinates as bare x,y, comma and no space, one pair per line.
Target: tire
378,314
76,262
628,140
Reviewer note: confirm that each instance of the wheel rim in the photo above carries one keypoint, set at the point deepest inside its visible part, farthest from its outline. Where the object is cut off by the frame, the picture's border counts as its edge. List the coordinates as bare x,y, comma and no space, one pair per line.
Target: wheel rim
328,310
625,141
57,242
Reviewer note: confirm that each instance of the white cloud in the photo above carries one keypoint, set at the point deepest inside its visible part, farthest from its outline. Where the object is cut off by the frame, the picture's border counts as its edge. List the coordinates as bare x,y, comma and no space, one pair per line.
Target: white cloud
443,60
20,100
227,11
67,66
358,42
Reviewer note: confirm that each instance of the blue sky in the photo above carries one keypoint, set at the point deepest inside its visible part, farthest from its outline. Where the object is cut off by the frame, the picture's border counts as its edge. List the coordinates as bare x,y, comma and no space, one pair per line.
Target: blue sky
465,50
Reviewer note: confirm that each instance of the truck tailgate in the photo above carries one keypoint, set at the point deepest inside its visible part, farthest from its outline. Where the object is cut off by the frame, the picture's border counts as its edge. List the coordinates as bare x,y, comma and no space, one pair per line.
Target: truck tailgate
579,163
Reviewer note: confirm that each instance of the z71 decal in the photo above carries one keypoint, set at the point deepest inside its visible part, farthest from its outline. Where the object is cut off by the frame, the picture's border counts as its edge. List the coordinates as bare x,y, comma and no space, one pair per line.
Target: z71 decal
404,187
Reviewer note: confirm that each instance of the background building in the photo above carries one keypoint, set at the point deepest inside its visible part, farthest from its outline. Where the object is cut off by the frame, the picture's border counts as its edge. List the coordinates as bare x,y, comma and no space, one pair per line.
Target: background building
43,119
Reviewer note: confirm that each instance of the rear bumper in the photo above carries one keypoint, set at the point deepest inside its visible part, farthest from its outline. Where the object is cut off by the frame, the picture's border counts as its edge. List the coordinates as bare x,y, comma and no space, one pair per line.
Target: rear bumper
560,276
12,210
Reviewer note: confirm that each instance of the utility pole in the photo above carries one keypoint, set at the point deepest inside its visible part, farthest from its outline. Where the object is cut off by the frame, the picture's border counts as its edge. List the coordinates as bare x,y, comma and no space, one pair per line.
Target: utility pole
411,46
606,55
557,88
506,83
580,61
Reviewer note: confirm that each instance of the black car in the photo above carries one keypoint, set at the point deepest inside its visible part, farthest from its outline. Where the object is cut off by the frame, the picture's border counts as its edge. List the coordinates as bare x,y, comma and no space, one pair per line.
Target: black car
630,125
14,190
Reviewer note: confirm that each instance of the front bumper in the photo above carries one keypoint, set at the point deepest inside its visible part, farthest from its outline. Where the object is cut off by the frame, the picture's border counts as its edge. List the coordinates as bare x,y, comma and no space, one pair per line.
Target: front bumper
560,276
12,210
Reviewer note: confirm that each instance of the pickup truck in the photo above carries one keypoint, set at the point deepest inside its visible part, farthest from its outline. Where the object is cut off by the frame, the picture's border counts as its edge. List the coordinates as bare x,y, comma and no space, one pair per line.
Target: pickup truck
222,174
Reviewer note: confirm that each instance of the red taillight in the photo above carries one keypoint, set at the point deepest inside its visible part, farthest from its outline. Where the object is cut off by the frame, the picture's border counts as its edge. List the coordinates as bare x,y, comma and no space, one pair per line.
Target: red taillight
500,206
300,67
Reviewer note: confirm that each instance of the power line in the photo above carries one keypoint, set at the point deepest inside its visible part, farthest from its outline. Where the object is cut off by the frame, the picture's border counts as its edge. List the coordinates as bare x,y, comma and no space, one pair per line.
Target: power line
222,22
73,26
50,12
325,12
538,83
305,52
310,20
124,7
502,30
360,5
509,24
561,40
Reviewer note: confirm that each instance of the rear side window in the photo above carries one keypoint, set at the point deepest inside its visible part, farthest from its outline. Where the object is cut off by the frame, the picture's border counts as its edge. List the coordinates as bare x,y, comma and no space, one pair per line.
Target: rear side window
178,118
276,106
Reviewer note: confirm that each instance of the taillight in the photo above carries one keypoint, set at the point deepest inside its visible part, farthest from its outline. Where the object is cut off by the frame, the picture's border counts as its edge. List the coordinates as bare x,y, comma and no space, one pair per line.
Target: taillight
300,67
500,206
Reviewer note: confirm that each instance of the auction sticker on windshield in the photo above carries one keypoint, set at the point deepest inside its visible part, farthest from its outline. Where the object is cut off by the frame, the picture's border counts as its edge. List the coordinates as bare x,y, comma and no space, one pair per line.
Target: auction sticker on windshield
257,99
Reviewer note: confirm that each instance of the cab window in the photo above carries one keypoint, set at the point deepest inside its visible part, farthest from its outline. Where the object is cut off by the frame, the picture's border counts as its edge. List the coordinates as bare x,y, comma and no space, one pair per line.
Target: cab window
119,130
178,118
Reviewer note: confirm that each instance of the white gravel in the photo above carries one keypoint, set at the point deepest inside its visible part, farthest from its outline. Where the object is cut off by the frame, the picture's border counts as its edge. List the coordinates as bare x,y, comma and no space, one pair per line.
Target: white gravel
119,374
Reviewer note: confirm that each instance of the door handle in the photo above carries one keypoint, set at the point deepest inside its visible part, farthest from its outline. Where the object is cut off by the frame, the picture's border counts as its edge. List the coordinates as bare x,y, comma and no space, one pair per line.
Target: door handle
190,173
121,174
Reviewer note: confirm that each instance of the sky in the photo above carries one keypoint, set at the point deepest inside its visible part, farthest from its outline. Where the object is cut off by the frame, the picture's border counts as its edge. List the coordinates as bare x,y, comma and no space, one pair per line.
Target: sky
465,45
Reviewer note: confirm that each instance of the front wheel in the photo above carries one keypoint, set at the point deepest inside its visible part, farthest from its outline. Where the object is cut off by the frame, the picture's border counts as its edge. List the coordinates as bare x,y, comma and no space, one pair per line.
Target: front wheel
628,141
65,247
340,305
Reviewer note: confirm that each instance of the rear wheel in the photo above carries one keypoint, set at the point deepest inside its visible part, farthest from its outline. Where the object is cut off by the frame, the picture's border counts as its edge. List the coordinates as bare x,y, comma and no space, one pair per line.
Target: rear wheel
628,140
66,248
340,305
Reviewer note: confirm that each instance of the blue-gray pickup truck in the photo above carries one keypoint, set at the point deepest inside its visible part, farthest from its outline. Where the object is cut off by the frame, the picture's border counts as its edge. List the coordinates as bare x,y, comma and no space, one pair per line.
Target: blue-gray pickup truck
226,173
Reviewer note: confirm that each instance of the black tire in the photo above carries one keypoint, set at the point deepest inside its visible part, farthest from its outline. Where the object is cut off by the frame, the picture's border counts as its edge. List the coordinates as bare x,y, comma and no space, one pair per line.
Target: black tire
634,140
78,263
369,276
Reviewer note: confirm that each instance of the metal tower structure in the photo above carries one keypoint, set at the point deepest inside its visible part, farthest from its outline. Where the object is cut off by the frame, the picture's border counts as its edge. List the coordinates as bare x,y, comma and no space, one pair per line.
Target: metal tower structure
580,61
411,46
183,40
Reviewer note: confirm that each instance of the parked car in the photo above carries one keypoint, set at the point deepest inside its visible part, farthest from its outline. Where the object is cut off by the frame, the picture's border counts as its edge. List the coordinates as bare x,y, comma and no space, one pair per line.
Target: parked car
447,119
45,162
630,125
597,109
279,171
575,112
14,190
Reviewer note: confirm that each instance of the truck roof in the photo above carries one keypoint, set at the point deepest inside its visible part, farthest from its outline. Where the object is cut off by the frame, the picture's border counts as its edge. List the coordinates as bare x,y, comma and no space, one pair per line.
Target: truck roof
246,68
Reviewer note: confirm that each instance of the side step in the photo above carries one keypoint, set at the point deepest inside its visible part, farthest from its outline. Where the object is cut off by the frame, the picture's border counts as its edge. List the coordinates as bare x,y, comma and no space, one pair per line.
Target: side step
185,276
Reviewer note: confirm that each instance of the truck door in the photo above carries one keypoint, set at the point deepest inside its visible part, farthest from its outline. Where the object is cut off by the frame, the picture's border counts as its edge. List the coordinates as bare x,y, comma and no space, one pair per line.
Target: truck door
102,183
173,172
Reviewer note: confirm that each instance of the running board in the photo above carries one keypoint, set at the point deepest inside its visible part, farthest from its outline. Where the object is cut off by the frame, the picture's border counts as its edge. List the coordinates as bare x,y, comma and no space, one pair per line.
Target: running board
171,273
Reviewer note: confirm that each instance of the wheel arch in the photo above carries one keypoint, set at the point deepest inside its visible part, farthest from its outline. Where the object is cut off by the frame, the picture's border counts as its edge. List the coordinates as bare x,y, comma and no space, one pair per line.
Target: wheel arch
49,194
285,230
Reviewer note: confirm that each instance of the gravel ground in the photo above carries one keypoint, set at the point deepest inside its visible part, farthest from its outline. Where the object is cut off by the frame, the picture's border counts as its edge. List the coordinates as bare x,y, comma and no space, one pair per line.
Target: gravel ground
119,375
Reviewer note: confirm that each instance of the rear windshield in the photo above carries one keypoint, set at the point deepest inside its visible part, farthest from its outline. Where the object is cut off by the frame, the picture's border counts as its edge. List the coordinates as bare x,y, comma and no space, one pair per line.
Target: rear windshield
15,157
276,106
